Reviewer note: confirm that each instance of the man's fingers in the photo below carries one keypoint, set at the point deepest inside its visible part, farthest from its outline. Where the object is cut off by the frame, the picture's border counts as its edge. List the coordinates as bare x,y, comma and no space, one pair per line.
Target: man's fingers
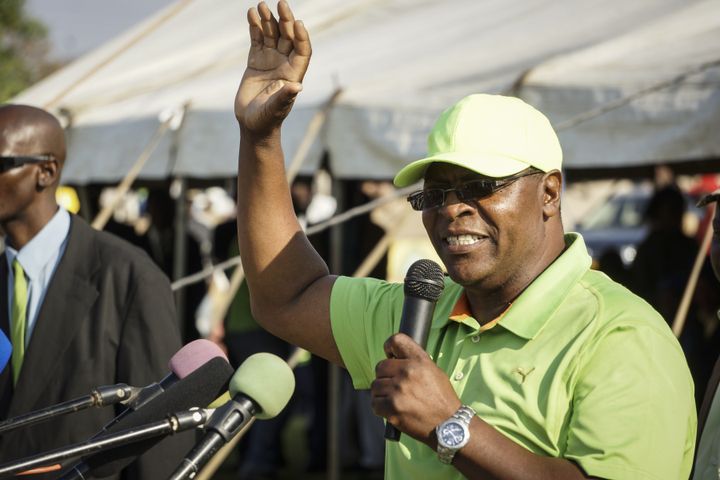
402,346
301,40
254,22
286,21
282,100
383,387
390,367
269,26
381,399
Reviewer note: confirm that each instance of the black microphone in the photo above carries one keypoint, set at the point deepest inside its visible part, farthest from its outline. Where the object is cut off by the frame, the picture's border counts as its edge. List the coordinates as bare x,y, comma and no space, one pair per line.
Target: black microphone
198,389
424,284
261,388
98,397
182,363
185,361
173,423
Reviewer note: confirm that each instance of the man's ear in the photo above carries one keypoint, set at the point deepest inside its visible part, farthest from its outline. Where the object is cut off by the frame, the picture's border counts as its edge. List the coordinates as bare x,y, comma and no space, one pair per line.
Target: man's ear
48,174
552,189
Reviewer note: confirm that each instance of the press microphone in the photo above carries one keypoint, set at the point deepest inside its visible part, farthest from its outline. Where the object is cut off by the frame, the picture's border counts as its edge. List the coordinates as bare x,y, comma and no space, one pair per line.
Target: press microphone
197,389
173,423
5,351
424,284
185,361
99,397
260,388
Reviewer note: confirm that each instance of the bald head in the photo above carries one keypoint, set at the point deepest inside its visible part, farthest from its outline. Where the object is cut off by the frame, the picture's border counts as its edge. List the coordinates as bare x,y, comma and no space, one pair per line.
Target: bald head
27,130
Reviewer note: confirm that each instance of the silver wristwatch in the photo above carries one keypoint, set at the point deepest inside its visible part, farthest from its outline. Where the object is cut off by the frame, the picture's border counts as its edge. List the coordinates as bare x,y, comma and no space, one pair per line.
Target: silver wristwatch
454,433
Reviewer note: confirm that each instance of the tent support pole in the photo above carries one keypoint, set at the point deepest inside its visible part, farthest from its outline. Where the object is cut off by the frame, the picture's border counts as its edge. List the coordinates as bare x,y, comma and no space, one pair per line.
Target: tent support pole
333,437
681,314
180,251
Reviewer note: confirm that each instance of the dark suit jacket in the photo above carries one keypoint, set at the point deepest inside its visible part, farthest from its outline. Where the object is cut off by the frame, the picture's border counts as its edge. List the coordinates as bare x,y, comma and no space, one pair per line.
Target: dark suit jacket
708,399
108,317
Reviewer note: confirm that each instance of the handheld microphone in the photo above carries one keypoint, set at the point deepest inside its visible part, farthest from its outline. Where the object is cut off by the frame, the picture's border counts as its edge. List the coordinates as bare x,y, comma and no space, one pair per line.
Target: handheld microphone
5,350
260,388
199,388
424,284
185,361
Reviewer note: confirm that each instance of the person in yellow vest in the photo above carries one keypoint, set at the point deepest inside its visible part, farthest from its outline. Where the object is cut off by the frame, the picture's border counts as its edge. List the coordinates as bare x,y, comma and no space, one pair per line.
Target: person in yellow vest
537,367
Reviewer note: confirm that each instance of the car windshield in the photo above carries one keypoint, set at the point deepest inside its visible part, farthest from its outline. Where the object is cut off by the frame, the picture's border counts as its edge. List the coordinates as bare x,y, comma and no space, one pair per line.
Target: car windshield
623,211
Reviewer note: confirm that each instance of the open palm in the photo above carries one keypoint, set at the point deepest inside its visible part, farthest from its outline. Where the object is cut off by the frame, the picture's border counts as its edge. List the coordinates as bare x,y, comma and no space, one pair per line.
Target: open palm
278,59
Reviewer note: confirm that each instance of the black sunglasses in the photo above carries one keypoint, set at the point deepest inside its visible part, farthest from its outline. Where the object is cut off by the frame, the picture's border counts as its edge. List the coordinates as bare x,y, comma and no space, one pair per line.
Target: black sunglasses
435,197
10,162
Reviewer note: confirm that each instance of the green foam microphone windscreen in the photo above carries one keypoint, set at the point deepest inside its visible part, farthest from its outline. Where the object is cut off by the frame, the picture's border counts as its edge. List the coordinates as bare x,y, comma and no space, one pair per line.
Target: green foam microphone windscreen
268,380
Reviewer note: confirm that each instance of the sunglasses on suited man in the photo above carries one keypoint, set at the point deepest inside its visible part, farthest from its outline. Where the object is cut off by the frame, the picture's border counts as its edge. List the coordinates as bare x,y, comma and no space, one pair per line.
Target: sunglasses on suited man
435,197
10,162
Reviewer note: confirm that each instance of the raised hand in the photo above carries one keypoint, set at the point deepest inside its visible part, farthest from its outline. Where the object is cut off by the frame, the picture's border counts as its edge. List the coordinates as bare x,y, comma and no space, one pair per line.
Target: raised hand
278,59
410,391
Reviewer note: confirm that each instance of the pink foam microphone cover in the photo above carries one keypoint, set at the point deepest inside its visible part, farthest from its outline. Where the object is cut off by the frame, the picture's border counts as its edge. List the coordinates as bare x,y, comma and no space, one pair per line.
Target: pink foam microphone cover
193,355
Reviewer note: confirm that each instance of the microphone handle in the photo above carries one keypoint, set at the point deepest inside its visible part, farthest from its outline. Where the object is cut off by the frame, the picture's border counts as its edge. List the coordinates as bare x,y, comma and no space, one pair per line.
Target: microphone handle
100,397
415,322
223,426
175,422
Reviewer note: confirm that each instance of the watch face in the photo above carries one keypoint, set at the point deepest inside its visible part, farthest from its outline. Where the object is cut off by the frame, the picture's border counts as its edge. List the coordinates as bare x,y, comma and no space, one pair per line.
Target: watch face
452,434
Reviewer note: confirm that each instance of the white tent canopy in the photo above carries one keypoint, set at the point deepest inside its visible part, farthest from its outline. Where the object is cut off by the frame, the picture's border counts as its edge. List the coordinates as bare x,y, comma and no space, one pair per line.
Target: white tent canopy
398,62
678,123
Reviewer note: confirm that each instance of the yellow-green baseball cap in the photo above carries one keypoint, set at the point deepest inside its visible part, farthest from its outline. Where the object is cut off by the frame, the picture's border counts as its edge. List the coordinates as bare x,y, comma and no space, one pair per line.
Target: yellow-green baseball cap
492,135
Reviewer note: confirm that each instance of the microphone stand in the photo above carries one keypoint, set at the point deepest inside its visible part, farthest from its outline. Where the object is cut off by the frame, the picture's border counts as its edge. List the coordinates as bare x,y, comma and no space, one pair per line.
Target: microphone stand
99,397
176,422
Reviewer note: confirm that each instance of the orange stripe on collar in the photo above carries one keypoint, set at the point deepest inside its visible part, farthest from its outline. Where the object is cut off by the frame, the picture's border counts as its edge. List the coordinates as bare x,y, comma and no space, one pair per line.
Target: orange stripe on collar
461,311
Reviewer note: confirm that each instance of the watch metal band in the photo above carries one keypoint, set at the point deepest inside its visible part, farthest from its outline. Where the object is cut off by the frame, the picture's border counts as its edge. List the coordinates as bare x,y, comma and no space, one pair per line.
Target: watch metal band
463,415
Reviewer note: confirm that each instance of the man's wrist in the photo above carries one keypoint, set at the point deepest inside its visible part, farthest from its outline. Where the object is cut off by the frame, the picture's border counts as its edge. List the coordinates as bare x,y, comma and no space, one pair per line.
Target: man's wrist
454,433
268,138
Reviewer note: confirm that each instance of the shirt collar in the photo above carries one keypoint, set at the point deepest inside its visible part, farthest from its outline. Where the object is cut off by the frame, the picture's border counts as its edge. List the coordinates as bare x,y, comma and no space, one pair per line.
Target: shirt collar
35,255
531,310
461,313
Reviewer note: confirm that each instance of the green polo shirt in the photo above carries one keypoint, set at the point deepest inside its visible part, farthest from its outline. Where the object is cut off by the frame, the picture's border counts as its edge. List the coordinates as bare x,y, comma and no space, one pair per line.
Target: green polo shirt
578,367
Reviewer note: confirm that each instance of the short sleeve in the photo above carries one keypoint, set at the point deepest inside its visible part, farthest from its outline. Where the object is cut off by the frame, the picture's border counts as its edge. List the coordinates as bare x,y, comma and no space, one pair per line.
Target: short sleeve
633,412
364,312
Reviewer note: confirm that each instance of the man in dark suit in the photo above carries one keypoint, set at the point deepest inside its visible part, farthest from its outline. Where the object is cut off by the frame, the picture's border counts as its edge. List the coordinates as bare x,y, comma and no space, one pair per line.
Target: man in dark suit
82,308
707,457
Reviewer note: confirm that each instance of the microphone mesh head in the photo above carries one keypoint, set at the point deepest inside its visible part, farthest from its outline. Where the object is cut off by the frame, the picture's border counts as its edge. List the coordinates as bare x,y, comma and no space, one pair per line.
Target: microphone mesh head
424,279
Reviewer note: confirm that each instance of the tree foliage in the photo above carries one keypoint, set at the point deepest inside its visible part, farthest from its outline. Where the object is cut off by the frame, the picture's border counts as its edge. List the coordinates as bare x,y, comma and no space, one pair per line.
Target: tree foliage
23,48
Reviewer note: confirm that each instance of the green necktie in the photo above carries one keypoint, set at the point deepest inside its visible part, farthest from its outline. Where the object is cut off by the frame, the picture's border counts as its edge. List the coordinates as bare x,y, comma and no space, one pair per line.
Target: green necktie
19,315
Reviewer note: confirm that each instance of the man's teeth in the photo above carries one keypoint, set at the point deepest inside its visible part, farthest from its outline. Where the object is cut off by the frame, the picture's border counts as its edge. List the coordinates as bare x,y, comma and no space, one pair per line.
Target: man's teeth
463,239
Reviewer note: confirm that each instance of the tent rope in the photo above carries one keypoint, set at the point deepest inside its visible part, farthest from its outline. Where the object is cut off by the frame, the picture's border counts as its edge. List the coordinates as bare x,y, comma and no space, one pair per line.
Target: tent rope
622,101
312,230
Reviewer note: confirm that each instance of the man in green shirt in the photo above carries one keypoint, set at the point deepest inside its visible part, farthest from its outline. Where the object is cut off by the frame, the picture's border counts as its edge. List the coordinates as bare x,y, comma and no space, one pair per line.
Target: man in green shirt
536,367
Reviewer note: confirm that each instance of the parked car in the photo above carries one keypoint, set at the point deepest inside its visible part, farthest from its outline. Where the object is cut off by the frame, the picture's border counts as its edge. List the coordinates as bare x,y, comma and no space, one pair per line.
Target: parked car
618,224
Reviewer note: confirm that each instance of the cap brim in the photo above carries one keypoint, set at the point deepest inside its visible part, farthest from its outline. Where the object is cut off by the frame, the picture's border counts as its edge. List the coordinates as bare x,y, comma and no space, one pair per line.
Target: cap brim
487,165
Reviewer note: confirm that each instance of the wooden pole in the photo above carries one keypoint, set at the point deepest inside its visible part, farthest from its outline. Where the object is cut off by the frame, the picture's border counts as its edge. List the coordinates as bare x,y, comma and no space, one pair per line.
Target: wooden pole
681,315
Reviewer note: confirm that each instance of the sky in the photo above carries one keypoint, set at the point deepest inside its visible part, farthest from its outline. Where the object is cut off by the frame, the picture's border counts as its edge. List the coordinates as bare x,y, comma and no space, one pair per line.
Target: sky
77,26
